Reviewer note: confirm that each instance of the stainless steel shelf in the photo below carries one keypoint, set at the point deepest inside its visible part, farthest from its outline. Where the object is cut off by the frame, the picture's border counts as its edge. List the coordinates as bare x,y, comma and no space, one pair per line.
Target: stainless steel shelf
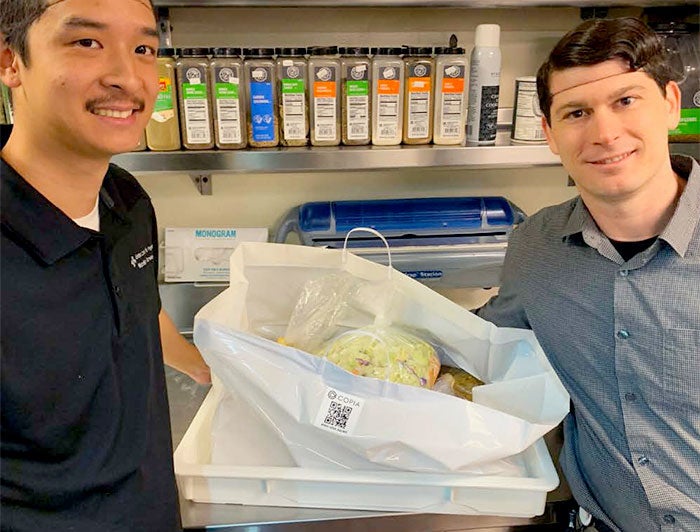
273,160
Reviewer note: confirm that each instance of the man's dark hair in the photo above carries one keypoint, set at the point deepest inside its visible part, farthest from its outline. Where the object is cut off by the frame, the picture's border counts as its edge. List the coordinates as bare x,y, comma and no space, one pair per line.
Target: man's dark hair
598,40
16,17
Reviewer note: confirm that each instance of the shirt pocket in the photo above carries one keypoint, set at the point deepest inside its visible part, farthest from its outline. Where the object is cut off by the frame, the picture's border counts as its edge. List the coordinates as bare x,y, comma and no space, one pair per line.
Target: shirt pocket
681,369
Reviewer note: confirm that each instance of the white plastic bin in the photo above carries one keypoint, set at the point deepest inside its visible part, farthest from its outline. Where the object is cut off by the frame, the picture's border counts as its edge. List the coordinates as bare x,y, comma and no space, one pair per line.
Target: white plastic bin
390,491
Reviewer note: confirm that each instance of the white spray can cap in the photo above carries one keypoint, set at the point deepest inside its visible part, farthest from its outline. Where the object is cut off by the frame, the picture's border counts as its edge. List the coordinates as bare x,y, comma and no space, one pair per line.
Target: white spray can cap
487,35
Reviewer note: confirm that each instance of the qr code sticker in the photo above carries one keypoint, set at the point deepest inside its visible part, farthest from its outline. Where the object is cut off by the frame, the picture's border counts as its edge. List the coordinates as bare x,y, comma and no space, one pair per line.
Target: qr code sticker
338,415
339,412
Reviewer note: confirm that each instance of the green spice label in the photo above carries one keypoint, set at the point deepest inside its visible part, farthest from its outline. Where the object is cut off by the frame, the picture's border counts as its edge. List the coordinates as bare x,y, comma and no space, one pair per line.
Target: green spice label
164,99
293,86
357,88
226,90
194,91
226,82
195,84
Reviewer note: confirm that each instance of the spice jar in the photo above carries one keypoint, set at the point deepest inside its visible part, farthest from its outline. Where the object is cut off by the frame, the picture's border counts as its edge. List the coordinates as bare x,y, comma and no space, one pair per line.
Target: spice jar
260,78
195,113
291,95
228,100
418,96
163,128
355,66
450,109
387,96
324,96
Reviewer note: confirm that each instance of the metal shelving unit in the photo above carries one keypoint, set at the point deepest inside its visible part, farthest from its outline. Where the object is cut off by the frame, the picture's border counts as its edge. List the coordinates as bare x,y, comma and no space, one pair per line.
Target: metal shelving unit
340,158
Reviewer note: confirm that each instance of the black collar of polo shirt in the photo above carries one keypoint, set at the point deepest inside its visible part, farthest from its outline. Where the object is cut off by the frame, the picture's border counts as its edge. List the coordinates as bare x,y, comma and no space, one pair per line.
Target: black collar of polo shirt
36,223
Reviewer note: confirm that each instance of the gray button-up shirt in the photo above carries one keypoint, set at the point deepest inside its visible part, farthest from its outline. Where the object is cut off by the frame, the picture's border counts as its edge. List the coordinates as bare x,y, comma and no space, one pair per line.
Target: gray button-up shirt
624,338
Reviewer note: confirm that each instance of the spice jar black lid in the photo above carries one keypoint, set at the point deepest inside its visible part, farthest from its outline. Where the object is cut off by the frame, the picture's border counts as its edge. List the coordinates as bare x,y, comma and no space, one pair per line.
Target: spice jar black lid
387,50
226,52
195,52
354,50
291,51
322,50
447,50
418,50
258,52
166,52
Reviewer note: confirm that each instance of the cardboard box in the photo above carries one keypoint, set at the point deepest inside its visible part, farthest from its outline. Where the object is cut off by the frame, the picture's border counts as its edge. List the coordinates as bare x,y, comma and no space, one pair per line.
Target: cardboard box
202,253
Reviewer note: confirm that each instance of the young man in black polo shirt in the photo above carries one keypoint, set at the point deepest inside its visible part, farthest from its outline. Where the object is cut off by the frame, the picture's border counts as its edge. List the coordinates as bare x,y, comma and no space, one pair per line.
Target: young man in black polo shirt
85,429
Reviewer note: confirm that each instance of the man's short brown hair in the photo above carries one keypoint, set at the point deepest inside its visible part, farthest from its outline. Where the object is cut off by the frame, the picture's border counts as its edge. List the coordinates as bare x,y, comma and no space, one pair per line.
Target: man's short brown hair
17,16
598,40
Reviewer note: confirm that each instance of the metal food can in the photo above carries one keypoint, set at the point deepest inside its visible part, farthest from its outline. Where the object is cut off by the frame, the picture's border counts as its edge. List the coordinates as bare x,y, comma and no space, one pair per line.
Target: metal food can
527,116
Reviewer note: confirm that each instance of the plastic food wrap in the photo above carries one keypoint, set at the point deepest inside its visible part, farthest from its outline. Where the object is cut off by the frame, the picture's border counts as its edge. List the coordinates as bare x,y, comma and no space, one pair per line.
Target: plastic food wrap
389,354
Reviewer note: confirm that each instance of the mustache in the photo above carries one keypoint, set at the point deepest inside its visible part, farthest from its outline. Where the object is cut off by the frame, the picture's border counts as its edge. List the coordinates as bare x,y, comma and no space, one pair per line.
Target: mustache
105,101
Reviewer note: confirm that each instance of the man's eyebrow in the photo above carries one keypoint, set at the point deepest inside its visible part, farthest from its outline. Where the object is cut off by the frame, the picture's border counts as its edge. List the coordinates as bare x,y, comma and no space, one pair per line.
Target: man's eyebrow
82,23
579,105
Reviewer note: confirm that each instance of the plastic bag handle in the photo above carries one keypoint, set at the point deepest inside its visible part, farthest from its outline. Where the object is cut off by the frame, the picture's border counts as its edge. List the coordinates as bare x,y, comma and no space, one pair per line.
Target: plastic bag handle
375,233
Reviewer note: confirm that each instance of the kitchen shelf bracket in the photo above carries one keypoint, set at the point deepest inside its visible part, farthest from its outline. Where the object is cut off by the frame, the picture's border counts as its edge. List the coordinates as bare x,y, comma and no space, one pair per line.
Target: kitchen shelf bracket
203,183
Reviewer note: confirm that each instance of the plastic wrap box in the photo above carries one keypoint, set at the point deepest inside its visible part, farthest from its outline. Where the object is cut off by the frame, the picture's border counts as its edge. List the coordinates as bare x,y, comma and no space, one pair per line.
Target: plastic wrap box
390,491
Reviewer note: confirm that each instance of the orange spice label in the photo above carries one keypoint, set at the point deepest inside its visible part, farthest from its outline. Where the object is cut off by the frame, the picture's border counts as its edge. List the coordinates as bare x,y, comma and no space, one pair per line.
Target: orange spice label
418,84
324,89
453,85
388,86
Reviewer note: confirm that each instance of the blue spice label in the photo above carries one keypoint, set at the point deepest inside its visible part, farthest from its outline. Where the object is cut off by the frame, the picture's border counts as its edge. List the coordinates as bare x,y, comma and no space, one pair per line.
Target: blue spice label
261,107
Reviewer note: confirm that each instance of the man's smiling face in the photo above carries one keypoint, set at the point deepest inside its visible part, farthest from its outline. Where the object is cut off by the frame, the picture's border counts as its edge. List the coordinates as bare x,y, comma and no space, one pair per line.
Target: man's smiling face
610,127
92,78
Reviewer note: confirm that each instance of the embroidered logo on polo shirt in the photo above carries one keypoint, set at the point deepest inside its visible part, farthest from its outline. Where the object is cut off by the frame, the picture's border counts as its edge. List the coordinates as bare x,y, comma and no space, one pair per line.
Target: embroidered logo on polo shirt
143,257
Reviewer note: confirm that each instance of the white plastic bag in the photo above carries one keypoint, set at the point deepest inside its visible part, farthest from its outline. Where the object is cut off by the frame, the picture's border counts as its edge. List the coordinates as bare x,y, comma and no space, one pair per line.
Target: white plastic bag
328,417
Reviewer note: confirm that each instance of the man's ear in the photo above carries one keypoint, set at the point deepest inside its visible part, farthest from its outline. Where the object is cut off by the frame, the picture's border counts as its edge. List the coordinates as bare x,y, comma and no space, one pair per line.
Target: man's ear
550,138
9,65
673,103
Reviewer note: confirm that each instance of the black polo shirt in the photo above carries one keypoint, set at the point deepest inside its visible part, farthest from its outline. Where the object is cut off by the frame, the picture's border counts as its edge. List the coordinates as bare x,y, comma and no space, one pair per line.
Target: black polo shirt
85,441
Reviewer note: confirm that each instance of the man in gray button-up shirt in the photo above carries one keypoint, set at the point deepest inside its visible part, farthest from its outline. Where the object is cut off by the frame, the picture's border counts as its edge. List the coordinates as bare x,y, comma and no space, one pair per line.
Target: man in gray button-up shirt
610,281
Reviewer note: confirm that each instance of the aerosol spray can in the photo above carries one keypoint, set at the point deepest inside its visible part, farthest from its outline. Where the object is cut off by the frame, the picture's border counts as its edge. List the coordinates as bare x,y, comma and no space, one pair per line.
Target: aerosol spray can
484,80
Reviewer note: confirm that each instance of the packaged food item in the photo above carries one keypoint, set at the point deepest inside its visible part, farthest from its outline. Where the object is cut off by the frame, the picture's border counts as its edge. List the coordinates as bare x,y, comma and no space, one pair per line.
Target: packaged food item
291,95
457,382
450,99
163,128
324,96
228,98
387,96
355,66
388,353
195,113
484,83
418,96
527,116
681,42
260,78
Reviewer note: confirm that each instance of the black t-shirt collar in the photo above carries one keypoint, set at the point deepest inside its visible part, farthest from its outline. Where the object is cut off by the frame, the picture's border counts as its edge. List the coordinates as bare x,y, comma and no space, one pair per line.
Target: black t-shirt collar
35,222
